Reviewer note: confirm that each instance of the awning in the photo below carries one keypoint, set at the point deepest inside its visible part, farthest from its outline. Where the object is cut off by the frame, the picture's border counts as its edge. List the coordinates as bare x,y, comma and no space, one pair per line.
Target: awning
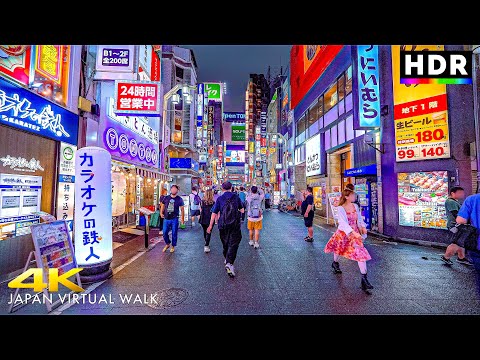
152,174
361,171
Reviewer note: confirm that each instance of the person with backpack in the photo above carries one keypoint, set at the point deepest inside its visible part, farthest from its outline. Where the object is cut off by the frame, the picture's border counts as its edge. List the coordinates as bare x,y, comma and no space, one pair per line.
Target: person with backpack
255,215
469,213
243,198
228,208
205,216
308,212
172,206
195,202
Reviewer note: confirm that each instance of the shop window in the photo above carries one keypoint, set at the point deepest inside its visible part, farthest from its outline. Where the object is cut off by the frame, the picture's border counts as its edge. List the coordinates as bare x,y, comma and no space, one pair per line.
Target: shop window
313,113
301,125
320,107
348,82
179,72
331,97
333,138
349,102
349,128
313,129
341,132
331,116
327,139
320,123
341,87
341,107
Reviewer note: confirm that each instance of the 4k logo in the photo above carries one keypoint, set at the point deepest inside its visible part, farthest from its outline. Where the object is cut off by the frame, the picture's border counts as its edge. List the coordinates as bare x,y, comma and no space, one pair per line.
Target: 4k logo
53,280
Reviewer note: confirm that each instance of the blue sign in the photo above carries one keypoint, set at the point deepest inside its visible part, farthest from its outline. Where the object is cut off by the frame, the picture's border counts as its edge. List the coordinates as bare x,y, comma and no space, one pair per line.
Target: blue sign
234,116
368,87
361,171
180,163
27,111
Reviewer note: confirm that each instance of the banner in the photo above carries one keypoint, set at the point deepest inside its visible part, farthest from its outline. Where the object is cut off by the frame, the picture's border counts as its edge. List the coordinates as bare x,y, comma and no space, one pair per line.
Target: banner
238,132
140,98
420,114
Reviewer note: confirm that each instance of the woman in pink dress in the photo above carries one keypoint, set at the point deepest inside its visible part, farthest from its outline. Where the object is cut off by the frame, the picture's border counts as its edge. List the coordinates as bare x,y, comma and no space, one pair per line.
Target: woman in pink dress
347,241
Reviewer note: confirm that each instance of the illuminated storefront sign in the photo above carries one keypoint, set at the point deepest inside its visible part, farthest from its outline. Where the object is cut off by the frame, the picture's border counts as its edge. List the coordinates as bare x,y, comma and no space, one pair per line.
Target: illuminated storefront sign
313,156
145,59
155,74
49,61
420,114
238,132
234,116
367,83
15,62
137,98
213,91
118,58
93,210
21,164
27,111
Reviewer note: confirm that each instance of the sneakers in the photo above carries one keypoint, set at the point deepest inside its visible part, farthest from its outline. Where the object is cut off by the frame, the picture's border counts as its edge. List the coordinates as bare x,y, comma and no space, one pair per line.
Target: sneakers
256,245
251,243
165,248
446,261
230,270
172,249
206,249
308,239
464,261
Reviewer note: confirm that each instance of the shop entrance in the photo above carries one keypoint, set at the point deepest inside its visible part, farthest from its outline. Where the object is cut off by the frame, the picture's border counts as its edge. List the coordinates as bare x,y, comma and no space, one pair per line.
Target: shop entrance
345,163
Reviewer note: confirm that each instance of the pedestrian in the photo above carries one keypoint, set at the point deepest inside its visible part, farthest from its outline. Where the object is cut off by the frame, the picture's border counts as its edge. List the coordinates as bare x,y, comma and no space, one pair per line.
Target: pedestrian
267,200
452,206
308,213
201,193
162,197
243,198
170,209
195,201
347,241
227,209
216,194
255,215
470,213
205,216
352,187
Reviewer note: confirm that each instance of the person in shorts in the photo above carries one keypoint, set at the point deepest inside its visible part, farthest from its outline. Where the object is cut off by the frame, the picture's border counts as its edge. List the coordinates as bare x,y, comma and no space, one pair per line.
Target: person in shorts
195,202
255,215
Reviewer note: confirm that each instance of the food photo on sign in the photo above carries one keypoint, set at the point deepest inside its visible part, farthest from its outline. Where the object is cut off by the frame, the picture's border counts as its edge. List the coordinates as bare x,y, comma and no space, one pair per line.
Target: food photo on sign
421,199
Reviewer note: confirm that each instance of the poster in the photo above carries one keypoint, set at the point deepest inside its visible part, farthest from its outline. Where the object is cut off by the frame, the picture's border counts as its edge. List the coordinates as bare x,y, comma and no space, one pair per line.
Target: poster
421,199
119,193
53,246
333,200
317,197
66,184
420,114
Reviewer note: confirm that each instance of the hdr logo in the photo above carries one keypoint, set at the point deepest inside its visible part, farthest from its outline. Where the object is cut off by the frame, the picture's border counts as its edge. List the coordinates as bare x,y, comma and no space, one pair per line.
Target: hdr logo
435,67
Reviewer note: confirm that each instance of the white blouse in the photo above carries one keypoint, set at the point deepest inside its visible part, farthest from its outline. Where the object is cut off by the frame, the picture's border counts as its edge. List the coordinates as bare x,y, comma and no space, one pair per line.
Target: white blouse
343,220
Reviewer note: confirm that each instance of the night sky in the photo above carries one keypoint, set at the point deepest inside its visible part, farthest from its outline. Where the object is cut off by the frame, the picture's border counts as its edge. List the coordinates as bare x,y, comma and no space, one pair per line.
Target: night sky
234,63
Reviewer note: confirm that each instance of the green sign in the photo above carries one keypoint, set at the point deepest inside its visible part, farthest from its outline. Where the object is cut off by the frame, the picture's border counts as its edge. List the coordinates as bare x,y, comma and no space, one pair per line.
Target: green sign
213,91
238,132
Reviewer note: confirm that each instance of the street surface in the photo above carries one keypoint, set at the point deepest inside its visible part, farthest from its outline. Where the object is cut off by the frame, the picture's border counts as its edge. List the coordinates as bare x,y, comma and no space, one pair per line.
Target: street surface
285,276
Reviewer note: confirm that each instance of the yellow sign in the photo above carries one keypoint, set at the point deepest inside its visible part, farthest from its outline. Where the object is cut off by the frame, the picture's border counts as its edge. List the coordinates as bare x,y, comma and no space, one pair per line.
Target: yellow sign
420,114
272,150
263,150
53,280
251,147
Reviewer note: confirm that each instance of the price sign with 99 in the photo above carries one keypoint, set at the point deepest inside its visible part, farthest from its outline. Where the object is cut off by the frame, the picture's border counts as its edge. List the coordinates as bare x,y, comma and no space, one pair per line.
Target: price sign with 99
427,151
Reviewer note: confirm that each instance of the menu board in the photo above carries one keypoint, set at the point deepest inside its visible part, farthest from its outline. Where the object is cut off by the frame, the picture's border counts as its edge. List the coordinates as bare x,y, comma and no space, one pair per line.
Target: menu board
421,199
186,206
53,246
334,200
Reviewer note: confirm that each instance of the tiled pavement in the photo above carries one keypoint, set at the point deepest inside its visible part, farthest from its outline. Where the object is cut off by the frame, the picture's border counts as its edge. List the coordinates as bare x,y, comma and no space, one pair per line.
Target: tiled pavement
288,276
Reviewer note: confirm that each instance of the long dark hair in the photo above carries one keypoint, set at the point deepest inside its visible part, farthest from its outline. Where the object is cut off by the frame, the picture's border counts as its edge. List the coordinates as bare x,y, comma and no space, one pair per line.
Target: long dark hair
345,193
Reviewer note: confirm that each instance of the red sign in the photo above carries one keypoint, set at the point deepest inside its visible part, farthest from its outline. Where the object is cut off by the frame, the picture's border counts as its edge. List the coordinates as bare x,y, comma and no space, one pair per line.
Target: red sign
141,98
263,142
15,62
307,64
155,71
421,107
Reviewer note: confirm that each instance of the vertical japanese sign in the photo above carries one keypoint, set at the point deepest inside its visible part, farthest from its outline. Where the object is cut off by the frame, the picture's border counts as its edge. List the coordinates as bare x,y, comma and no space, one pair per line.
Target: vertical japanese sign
210,125
263,135
367,84
141,98
156,67
66,184
420,114
93,206
117,58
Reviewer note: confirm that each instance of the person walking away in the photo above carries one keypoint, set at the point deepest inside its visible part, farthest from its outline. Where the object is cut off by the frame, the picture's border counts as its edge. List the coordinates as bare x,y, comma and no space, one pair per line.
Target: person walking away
227,209
352,187
195,201
205,216
243,198
201,193
347,241
170,209
470,213
216,195
267,200
308,213
452,206
255,215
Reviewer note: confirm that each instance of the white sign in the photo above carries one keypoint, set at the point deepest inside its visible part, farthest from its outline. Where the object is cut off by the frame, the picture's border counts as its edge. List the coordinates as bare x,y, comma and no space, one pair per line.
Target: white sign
21,164
145,60
93,206
67,159
278,166
119,193
313,157
115,58
66,184
20,180
137,124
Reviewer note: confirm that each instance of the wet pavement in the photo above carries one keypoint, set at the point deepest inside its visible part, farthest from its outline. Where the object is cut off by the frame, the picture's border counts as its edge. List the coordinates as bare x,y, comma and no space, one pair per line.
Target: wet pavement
284,276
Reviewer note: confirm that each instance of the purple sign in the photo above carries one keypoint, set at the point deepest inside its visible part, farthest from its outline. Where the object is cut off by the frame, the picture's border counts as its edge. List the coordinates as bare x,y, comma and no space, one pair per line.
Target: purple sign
124,143
116,57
